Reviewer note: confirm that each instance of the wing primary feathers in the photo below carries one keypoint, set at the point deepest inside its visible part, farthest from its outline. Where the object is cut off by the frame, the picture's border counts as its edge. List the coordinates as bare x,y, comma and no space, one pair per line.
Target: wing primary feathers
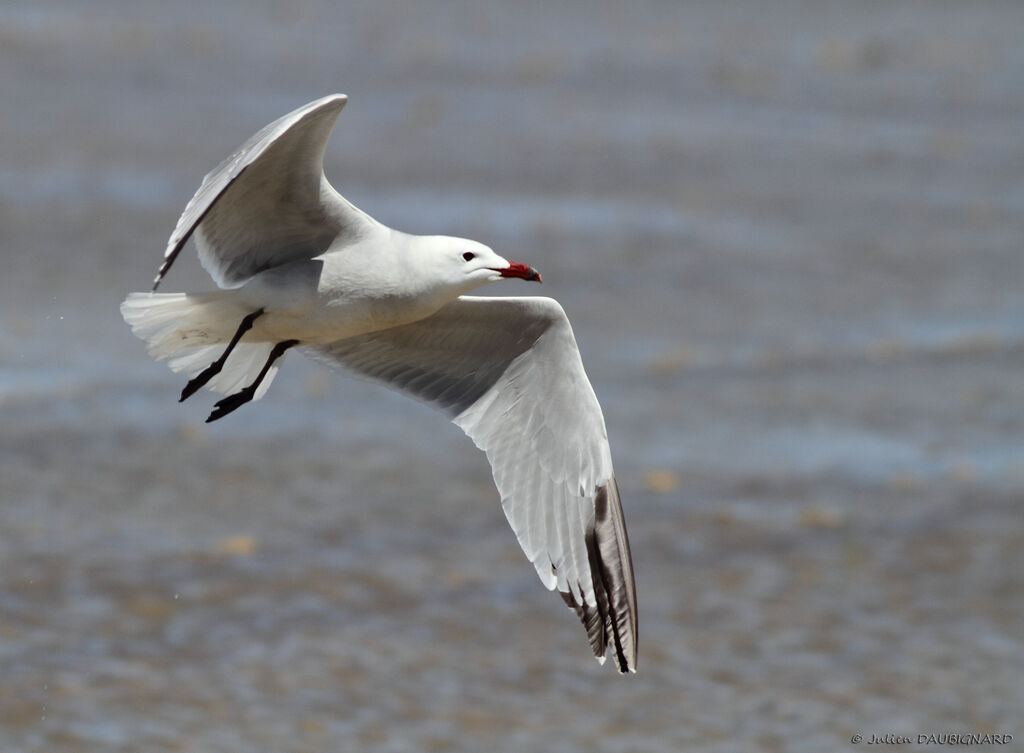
616,573
613,619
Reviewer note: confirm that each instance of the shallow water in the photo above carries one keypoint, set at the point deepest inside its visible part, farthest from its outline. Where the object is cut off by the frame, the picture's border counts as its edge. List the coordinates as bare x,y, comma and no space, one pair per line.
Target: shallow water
789,243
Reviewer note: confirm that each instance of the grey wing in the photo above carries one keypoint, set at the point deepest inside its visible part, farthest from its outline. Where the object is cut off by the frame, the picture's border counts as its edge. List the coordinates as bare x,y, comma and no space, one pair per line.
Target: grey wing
269,202
508,372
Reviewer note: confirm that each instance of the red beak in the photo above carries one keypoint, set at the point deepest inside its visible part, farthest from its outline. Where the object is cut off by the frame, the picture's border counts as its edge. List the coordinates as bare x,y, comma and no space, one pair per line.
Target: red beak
522,271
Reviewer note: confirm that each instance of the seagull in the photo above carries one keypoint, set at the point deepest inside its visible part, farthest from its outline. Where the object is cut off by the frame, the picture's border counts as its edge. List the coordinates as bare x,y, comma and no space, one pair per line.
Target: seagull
298,266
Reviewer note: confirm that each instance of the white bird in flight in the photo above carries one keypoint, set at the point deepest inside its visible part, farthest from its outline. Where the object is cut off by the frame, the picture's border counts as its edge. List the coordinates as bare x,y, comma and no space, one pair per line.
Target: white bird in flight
299,266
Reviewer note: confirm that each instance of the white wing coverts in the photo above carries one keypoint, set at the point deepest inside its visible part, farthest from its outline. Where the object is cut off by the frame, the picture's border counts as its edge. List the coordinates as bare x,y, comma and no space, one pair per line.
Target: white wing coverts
508,372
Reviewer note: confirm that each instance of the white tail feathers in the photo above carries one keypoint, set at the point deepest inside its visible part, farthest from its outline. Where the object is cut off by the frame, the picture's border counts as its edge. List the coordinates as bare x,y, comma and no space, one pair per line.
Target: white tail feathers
191,331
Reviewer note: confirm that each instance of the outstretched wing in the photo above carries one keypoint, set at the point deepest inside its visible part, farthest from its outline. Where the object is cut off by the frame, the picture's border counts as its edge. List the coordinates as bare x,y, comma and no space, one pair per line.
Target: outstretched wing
269,202
508,372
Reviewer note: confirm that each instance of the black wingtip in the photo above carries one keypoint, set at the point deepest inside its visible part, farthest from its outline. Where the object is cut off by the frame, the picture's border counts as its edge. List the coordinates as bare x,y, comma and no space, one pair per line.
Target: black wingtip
612,622
616,570
165,266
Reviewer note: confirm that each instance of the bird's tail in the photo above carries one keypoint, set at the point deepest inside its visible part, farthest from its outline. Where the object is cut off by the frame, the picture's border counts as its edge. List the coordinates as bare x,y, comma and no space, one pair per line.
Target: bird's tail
192,330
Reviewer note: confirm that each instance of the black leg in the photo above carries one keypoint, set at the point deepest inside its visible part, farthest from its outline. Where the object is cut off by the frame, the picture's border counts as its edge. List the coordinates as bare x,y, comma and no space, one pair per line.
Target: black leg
214,368
240,398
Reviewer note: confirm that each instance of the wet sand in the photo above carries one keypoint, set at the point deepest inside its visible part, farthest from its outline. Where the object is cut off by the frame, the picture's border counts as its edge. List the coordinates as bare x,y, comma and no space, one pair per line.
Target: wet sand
790,245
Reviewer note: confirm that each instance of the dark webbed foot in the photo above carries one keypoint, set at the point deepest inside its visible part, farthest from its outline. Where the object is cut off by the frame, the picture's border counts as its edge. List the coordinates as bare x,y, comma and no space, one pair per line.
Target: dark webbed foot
200,379
232,402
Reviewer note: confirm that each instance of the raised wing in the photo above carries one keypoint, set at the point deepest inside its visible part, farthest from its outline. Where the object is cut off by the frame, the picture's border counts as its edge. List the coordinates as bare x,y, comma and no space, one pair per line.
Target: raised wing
508,372
269,202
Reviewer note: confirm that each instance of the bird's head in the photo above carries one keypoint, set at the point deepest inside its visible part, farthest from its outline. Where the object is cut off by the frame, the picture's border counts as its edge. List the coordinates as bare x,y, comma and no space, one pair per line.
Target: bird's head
468,265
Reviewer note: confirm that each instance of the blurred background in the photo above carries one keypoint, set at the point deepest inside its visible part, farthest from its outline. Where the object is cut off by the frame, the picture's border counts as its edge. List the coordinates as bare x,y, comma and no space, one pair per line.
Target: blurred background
789,238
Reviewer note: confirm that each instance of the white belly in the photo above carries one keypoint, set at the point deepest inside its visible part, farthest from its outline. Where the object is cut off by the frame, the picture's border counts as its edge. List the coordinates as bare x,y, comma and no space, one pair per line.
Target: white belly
317,302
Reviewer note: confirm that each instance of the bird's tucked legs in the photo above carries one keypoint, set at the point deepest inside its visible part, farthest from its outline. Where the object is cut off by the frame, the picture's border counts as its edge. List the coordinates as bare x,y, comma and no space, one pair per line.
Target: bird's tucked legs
200,379
240,398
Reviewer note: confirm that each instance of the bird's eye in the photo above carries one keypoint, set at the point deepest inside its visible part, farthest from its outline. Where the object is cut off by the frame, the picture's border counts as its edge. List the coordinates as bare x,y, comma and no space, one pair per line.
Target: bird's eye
469,256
